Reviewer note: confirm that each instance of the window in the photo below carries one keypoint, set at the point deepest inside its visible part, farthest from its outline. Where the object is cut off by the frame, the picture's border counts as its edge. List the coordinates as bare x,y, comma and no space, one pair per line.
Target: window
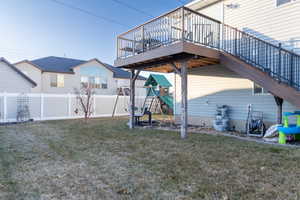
281,2
94,82
97,82
84,81
57,80
104,83
257,89
94,77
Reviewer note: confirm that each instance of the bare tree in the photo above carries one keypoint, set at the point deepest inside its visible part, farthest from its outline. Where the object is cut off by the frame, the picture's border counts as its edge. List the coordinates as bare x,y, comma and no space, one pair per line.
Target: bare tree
85,98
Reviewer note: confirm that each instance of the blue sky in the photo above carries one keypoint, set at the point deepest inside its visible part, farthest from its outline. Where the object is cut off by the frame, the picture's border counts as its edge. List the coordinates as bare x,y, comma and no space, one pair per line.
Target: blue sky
37,28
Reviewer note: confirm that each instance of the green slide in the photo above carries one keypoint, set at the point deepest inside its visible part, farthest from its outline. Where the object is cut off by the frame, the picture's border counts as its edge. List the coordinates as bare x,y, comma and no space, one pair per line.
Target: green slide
167,100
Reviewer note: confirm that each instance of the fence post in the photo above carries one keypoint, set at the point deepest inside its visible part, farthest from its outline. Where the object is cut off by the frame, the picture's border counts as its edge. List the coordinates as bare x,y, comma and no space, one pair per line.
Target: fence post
235,41
291,69
220,37
42,106
5,107
94,105
69,105
279,63
143,39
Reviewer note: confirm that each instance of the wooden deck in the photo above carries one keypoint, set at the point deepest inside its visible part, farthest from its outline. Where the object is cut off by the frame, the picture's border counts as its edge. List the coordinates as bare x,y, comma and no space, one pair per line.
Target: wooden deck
169,44
160,59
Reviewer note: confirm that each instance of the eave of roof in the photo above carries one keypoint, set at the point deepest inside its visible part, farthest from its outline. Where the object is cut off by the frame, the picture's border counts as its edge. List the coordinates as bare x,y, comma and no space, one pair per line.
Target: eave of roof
198,4
18,71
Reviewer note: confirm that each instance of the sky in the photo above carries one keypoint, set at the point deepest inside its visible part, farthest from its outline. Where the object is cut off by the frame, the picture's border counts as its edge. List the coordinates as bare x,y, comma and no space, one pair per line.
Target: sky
37,28
33,29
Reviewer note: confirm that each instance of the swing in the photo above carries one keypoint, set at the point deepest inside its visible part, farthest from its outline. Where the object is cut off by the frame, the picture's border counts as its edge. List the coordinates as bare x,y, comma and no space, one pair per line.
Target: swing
125,92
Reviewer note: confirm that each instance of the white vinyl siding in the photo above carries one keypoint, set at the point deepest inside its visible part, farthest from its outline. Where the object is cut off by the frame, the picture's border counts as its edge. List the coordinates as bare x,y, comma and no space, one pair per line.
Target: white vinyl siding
11,81
262,19
216,85
214,11
33,73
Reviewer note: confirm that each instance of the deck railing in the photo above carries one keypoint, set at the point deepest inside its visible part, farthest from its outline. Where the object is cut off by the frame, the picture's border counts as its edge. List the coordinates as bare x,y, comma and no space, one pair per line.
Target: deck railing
184,24
181,24
281,64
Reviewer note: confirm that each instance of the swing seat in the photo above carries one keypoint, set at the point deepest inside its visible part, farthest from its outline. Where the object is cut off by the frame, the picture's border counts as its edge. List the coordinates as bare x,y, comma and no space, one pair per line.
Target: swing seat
137,117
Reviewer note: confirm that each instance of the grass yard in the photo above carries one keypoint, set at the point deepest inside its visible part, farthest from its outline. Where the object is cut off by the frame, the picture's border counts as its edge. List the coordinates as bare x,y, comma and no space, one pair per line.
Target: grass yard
71,160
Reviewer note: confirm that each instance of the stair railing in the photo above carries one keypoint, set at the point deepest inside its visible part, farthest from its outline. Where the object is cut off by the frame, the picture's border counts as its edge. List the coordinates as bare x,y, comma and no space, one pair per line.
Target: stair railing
283,65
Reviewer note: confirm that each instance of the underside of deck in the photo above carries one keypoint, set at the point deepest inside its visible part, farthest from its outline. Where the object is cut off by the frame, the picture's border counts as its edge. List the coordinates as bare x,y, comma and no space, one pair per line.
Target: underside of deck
162,58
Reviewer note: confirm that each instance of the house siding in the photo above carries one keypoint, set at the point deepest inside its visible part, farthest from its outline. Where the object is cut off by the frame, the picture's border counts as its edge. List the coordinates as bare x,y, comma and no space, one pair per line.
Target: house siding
34,73
210,86
262,19
11,81
214,11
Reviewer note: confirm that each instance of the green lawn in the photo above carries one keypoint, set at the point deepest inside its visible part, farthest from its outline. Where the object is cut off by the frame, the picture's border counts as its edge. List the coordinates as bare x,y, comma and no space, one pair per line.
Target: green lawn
105,160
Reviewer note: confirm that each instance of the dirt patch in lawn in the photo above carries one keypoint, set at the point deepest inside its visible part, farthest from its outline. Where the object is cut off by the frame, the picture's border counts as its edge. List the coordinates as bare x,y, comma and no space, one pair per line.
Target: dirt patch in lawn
105,160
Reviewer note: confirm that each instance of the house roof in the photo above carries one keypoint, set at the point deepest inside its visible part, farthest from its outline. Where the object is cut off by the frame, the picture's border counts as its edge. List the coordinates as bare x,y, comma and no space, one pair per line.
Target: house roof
57,64
18,71
157,79
66,65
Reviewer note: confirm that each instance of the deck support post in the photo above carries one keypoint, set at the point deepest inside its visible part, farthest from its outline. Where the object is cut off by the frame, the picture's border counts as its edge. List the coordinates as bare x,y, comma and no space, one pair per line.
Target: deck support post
176,70
133,77
279,102
184,100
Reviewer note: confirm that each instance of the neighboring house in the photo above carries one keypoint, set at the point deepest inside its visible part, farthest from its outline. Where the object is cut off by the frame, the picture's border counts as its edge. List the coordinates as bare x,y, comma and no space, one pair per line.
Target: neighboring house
63,75
225,66
12,80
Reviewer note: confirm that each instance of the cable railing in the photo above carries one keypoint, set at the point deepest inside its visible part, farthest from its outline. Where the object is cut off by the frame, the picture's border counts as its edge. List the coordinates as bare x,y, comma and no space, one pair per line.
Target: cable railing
184,24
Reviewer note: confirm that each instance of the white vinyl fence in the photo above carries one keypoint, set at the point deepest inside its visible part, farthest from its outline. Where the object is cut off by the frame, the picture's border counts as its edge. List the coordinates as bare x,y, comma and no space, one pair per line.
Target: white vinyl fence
61,106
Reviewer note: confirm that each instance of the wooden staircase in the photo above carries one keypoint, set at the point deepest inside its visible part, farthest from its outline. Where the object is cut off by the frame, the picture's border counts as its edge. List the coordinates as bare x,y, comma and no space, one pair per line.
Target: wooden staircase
272,67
